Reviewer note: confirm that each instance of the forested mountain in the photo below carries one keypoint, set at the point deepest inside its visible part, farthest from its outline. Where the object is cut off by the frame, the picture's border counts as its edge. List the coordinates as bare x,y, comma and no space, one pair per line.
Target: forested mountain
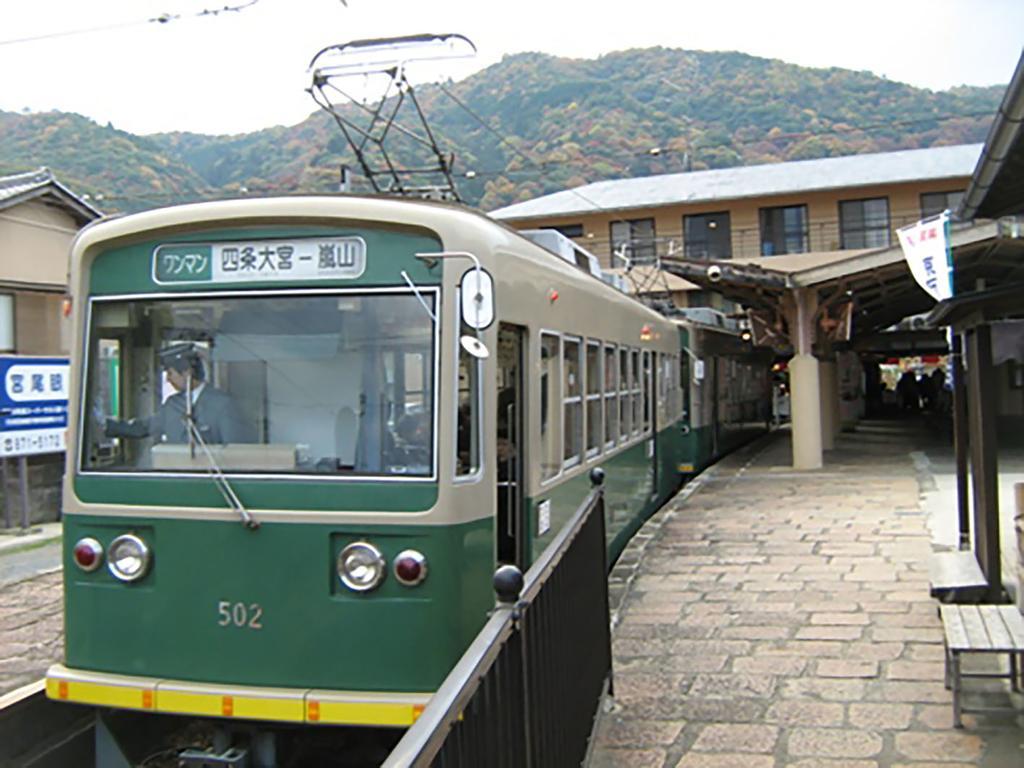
529,125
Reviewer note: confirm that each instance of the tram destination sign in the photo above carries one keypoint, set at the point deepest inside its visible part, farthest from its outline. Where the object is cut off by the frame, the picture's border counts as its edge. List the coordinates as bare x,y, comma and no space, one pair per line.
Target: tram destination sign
314,258
33,405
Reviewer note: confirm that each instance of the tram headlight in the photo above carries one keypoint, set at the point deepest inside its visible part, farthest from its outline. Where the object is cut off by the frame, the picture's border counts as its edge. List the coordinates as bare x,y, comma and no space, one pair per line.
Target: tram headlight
87,554
128,557
410,567
361,566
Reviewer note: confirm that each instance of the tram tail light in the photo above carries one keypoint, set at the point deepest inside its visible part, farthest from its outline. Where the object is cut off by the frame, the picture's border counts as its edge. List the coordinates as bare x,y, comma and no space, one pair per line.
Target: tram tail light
88,554
410,567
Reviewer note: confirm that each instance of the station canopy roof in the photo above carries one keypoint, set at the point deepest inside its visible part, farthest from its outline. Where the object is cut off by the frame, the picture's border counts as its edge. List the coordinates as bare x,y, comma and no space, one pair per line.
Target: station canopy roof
997,187
876,284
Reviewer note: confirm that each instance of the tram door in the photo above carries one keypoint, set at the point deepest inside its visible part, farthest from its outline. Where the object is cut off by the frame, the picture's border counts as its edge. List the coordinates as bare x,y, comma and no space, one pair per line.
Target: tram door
511,447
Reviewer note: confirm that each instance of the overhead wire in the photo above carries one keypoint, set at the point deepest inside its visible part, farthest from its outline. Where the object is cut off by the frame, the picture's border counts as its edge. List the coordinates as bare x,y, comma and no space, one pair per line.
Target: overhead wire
163,18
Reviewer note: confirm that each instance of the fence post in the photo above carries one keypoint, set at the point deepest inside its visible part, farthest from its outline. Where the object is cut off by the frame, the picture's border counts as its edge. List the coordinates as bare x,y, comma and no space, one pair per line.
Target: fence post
23,480
7,496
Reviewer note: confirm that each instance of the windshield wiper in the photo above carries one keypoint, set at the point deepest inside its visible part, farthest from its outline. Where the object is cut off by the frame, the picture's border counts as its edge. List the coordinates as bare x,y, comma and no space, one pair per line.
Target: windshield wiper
220,479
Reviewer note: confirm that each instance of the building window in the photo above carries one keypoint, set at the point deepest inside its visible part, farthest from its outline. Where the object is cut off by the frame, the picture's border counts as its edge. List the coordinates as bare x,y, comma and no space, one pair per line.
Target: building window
700,298
864,223
570,230
934,203
634,239
6,322
784,230
707,236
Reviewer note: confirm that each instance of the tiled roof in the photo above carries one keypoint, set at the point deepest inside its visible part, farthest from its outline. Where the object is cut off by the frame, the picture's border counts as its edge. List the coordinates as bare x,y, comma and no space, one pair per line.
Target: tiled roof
753,181
20,187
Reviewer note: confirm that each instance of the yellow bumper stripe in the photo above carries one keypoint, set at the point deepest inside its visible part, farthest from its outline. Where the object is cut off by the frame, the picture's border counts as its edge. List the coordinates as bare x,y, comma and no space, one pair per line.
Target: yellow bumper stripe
103,695
361,713
212,704
275,704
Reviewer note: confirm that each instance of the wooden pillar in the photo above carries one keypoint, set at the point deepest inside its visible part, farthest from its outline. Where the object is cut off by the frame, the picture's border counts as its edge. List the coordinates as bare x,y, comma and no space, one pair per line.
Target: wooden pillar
960,437
982,412
1018,524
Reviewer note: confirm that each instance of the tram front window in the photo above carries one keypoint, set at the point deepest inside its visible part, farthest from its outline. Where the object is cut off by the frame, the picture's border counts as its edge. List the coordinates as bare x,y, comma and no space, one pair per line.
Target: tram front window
313,384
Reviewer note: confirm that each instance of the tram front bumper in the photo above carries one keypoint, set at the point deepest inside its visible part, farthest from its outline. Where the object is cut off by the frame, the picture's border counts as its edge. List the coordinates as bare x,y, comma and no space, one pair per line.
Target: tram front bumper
181,697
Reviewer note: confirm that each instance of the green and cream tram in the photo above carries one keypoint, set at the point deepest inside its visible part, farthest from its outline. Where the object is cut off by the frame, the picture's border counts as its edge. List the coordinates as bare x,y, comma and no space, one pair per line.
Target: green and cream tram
306,430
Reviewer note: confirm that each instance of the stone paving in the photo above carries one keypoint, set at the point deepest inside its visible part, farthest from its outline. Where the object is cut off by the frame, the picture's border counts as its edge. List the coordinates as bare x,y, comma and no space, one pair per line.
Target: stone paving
770,617
31,629
764,618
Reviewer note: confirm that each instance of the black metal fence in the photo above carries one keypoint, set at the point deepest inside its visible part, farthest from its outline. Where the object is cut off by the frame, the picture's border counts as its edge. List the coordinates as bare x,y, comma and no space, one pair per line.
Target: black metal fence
525,693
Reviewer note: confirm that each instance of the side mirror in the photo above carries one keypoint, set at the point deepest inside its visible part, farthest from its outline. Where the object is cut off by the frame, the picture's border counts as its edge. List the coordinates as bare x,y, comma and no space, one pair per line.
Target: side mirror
475,347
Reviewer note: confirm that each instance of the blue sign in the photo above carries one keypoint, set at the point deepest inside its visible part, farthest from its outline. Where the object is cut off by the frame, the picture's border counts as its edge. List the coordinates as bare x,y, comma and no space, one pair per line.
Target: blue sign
33,404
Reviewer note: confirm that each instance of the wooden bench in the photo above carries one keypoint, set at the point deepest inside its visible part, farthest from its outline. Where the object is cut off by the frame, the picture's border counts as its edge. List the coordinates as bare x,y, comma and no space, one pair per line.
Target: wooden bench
981,629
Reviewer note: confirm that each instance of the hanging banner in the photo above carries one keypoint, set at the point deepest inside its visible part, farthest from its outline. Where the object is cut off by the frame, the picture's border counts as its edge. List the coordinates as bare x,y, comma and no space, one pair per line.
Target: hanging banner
926,249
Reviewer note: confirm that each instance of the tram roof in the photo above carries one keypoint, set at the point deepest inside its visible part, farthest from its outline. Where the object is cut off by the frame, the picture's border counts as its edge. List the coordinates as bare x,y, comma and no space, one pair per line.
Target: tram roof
442,217
753,181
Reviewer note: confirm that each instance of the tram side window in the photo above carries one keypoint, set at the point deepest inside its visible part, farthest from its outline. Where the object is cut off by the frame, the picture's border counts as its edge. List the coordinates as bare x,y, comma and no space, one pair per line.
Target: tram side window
467,443
636,399
684,386
675,388
550,397
668,363
594,407
572,403
648,386
611,398
624,406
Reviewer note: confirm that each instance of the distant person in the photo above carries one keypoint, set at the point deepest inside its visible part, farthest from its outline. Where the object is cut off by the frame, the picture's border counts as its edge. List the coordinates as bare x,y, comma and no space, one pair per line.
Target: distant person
942,398
926,389
214,413
908,392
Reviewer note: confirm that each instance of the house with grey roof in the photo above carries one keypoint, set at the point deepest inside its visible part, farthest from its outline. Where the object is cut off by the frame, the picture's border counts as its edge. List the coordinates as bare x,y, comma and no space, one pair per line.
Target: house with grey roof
39,217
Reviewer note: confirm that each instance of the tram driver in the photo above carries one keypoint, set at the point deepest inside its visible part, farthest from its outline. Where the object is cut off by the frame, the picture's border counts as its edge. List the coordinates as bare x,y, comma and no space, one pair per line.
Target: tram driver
214,413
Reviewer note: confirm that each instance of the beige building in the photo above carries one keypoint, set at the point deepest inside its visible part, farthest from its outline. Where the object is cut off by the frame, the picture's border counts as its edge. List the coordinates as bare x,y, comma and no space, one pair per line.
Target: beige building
39,217
784,215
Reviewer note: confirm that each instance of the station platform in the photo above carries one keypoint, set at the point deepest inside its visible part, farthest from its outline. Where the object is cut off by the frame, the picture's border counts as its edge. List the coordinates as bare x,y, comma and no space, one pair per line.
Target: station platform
771,617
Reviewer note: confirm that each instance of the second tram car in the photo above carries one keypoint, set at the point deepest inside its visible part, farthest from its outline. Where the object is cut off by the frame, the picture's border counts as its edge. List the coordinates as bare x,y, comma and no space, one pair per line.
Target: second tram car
306,430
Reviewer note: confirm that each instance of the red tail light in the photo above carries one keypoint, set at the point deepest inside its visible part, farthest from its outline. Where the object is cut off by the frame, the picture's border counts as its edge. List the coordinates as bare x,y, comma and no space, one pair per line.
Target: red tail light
88,554
410,567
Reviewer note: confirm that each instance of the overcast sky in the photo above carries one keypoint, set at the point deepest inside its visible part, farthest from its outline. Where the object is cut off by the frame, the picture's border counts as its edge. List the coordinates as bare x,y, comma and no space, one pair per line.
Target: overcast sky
246,70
